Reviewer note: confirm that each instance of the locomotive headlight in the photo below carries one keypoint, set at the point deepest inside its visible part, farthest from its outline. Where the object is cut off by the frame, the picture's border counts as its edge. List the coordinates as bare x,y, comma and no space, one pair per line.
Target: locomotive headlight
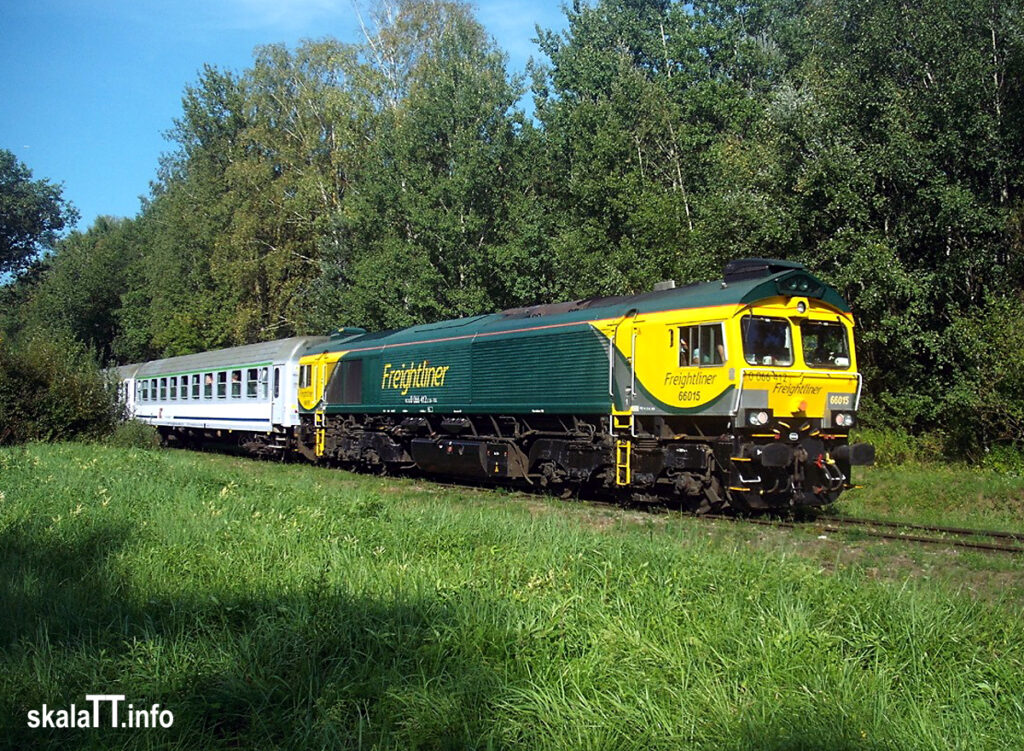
758,418
844,420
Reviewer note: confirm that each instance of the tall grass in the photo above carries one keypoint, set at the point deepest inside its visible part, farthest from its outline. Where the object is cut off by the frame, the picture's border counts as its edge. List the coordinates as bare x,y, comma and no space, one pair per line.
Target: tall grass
275,606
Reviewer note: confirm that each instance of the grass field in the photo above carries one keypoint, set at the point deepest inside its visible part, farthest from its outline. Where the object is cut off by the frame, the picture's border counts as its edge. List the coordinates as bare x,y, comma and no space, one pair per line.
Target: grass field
274,606
949,494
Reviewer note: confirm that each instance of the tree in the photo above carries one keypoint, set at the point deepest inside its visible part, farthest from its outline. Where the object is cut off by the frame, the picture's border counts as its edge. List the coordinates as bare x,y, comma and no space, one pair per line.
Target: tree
84,284
33,213
442,218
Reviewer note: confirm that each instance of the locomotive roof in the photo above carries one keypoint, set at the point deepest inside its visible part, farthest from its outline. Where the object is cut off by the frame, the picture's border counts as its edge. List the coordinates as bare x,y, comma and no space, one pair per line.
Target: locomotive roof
249,354
745,282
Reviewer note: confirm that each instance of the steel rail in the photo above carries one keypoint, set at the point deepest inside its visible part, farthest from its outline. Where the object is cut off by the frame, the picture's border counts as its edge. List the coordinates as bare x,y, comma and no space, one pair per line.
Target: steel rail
859,525
964,531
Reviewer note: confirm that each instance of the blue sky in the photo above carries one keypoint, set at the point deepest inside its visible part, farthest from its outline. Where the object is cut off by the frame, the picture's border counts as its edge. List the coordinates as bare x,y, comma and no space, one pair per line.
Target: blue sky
89,87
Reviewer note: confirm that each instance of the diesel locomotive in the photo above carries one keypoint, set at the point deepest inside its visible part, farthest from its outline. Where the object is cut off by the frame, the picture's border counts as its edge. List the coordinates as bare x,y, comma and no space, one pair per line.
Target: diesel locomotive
738,393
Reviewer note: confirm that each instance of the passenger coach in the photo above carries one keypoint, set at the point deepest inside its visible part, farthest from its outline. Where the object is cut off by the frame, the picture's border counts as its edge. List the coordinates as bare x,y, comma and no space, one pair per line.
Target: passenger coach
241,395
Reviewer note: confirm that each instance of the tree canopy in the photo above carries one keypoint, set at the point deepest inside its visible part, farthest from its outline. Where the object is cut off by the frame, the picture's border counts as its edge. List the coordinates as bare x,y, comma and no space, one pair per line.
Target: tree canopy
33,213
399,180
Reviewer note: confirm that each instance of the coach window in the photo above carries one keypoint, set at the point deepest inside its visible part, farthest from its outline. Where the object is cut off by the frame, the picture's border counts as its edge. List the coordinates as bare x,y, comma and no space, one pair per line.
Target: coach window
145,391
236,384
702,345
163,389
195,386
152,390
264,374
184,387
304,379
767,341
174,387
222,384
252,383
277,383
207,385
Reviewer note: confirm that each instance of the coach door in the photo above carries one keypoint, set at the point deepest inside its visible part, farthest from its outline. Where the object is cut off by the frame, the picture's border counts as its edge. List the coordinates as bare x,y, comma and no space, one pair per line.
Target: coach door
277,399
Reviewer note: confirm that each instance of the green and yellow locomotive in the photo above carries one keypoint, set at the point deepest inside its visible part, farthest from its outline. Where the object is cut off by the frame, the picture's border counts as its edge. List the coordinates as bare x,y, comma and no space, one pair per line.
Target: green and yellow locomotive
737,393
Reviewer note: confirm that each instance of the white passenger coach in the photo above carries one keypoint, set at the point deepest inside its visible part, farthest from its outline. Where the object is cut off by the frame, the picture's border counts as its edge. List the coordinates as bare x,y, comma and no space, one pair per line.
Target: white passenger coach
245,393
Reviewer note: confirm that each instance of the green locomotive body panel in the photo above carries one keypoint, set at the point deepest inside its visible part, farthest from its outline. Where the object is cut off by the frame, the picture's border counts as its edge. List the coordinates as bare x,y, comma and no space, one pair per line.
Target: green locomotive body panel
564,370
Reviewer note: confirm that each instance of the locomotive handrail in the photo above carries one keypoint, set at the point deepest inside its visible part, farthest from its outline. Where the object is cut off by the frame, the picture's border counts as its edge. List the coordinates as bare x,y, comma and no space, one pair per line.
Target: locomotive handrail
611,352
817,373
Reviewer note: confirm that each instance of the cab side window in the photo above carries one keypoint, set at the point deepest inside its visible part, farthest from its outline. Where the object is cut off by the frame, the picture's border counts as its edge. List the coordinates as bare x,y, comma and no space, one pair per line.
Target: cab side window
702,345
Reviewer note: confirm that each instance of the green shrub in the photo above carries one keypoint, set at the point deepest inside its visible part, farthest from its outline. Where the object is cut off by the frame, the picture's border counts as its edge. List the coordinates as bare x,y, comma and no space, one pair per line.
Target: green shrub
52,389
894,446
1005,459
984,406
134,434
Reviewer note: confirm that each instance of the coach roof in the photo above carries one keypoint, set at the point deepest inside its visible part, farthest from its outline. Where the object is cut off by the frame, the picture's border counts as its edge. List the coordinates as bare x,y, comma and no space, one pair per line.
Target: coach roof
279,350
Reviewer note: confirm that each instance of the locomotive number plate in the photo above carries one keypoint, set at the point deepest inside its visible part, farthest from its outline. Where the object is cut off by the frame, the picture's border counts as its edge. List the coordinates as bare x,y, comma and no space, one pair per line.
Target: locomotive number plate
840,401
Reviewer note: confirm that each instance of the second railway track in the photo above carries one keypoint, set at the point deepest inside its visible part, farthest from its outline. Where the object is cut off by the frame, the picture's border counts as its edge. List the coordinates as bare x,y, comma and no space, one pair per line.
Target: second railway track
955,537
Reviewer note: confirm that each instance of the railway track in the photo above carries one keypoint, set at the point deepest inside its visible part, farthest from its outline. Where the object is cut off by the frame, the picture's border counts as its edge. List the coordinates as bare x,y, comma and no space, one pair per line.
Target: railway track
955,537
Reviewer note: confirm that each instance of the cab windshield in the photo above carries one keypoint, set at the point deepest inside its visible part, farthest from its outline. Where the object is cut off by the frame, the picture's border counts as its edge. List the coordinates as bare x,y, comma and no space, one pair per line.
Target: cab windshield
825,344
767,341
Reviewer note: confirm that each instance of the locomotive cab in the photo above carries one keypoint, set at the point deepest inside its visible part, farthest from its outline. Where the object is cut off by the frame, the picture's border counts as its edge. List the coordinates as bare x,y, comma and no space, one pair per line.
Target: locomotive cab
752,400
798,392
